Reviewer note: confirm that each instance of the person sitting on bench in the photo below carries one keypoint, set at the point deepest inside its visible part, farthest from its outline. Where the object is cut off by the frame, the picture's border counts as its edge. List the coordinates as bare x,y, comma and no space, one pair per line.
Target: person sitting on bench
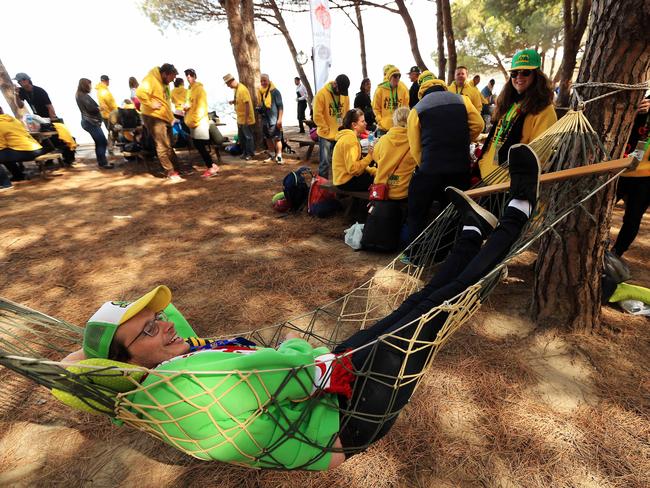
16,146
351,172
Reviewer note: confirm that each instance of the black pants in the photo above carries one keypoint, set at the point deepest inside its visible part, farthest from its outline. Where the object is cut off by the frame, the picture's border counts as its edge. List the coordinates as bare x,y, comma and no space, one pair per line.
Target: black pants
373,400
302,108
424,189
636,191
204,150
358,183
13,159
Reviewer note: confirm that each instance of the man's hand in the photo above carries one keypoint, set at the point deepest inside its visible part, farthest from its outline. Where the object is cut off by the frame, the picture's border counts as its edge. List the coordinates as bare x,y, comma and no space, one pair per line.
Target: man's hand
371,149
278,124
644,106
156,104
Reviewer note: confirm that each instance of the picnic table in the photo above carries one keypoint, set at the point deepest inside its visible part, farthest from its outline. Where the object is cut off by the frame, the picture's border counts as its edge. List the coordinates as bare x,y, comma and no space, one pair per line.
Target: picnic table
304,140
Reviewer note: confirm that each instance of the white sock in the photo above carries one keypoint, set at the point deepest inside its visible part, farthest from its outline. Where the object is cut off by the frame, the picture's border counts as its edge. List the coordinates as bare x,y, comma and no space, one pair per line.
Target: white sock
472,227
523,205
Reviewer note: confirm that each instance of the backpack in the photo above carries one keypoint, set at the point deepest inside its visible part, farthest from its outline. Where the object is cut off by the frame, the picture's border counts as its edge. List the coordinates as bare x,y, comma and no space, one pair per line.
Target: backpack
296,187
383,225
321,202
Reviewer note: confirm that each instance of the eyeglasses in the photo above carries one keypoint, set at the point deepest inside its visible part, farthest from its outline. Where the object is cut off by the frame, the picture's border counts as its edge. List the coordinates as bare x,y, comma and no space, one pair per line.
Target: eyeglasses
151,327
523,72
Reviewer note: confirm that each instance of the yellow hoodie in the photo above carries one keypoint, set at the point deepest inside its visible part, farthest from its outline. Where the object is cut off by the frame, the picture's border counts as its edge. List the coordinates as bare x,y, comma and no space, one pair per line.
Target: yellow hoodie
179,97
387,99
152,90
534,125
106,101
346,158
242,99
329,110
65,135
395,164
13,135
470,91
198,101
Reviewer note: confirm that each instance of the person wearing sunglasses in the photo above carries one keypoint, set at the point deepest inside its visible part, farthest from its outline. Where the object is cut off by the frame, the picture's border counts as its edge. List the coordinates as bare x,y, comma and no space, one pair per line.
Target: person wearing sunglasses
524,110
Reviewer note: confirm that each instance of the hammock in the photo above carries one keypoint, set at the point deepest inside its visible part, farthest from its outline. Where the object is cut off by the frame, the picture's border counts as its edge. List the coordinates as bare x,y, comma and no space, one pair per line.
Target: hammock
31,342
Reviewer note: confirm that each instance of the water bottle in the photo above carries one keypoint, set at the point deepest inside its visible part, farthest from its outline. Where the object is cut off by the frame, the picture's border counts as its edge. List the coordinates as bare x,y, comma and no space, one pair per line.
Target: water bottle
371,139
29,121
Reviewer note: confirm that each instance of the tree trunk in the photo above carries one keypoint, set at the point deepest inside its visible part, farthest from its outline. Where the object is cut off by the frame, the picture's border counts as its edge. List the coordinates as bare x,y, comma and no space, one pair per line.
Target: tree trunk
362,41
451,44
440,30
9,92
494,52
282,27
413,37
555,47
245,48
567,280
575,24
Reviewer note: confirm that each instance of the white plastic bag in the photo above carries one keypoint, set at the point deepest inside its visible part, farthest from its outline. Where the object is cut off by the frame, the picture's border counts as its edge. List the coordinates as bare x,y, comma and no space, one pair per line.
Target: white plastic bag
635,307
353,236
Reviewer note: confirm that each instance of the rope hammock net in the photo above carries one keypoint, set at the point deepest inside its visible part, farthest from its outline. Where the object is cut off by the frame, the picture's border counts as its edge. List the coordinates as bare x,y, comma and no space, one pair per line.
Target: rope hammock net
200,411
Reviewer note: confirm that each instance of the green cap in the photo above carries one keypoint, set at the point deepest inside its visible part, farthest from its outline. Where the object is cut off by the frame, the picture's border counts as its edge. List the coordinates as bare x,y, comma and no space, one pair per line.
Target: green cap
526,59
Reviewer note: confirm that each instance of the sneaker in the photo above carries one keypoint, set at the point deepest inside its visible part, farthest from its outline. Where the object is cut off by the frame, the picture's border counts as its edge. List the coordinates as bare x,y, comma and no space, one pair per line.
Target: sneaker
471,212
278,160
247,158
209,173
270,159
107,166
5,188
524,173
174,177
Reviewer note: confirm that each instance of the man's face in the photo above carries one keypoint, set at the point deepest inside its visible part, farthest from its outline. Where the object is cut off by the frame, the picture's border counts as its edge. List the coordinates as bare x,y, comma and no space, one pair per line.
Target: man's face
26,85
476,80
190,79
264,81
167,78
394,80
231,84
106,82
461,76
150,351
413,76
297,82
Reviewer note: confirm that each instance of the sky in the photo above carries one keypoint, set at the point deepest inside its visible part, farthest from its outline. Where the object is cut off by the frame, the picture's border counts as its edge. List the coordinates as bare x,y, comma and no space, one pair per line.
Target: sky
88,38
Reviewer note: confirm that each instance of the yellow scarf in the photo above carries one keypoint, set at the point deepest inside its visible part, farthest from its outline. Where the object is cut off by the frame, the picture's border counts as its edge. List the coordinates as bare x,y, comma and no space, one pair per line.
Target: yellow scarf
265,94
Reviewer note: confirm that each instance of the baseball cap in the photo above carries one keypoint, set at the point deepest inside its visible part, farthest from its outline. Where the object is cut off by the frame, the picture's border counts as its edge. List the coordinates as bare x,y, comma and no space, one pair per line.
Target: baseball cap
227,78
104,78
21,77
101,327
414,69
342,83
526,59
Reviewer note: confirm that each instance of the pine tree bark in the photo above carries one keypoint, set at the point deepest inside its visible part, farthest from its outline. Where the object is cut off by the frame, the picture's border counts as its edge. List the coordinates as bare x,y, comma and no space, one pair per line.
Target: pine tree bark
413,37
362,40
451,43
9,91
575,23
567,280
440,31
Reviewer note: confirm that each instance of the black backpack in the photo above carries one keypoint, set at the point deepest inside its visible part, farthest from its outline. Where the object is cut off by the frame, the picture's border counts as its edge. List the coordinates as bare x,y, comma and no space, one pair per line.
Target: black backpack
296,187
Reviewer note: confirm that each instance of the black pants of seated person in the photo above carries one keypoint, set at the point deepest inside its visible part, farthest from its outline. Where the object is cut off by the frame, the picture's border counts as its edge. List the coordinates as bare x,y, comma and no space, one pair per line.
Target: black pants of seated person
373,400
358,183
13,159
203,146
636,191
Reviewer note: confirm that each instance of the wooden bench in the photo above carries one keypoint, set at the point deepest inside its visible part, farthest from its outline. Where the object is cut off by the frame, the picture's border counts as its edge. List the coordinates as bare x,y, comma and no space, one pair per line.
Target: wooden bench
44,158
305,142
358,199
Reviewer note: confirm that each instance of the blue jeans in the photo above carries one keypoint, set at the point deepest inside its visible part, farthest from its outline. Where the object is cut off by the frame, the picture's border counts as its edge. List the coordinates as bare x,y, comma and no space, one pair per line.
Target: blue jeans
246,140
100,141
325,149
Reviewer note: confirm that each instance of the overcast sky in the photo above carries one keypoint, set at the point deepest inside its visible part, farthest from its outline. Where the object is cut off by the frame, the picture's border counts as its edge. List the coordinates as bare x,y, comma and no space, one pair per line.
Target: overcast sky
60,42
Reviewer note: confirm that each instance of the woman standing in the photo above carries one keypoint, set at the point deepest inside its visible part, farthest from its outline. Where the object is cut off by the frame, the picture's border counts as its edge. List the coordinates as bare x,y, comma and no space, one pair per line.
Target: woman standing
523,111
350,172
91,121
363,101
196,118
133,86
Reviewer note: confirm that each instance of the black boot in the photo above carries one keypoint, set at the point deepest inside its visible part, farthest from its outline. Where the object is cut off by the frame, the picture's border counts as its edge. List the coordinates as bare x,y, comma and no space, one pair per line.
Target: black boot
471,213
524,173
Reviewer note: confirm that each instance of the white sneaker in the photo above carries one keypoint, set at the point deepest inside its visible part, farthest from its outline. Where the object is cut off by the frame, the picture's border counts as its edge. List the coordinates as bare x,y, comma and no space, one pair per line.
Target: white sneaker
270,159
278,160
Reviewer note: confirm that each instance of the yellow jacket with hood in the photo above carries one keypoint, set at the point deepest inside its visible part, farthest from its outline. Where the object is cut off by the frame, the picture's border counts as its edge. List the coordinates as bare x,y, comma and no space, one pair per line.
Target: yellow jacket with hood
327,108
179,96
152,89
395,164
470,91
198,110
106,101
346,158
387,99
13,135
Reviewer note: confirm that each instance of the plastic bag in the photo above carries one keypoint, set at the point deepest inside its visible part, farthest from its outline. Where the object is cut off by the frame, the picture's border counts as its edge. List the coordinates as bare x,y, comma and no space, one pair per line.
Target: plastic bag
353,236
635,307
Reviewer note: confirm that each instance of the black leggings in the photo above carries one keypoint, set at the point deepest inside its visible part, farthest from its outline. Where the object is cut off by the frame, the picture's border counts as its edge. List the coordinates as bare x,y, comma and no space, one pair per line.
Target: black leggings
636,191
358,183
203,147
13,159
374,405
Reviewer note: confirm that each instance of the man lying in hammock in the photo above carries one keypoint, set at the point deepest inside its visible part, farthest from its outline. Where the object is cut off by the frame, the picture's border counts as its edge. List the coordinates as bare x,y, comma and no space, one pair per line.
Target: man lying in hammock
356,382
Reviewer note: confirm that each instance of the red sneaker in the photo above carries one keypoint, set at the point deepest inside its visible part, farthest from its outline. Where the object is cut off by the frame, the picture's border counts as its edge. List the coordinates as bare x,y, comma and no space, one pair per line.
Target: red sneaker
208,173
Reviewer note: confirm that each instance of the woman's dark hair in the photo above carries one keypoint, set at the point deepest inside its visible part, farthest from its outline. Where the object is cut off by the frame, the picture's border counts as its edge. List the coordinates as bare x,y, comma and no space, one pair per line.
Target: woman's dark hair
536,98
117,352
133,82
84,86
351,117
190,71
178,82
365,80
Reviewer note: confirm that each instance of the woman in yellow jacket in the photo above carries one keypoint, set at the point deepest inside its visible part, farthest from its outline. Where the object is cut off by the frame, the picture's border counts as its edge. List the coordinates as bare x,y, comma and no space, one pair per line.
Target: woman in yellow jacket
523,111
16,145
350,171
196,118
389,95
395,164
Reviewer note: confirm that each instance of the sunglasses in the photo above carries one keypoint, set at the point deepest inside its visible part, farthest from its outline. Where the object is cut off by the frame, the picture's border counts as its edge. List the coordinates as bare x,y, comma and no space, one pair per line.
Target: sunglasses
151,327
523,72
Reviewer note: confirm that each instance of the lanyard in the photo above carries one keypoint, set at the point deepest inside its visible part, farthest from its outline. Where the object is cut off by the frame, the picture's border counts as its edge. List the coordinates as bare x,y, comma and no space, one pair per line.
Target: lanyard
336,102
506,123
393,99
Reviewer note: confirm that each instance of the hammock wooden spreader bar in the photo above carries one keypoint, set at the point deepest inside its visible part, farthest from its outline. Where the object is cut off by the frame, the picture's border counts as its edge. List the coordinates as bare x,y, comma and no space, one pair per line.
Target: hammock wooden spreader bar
614,166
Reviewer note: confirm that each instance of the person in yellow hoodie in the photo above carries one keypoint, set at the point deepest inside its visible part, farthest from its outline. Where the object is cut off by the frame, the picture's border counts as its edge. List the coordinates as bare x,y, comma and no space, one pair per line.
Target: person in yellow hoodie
179,95
389,95
196,118
331,103
395,163
157,115
350,171
107,106
440,128
461,86
16,146
245,115
524,110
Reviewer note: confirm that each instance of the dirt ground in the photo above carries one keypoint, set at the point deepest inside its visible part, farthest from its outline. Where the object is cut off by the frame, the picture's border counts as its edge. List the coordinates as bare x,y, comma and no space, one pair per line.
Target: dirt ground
507,403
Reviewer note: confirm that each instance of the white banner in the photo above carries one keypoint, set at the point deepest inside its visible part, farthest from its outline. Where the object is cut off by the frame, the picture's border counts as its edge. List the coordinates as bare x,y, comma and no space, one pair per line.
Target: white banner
321,23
